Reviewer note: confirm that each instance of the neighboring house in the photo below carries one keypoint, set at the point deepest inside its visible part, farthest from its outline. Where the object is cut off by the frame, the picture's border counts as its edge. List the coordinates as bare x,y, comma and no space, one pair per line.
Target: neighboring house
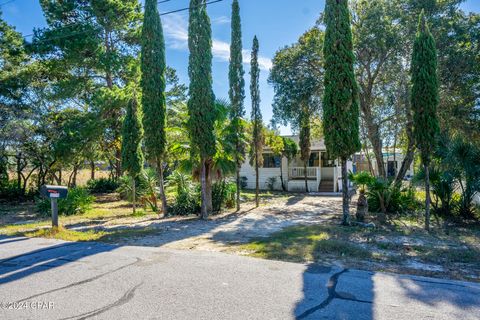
324,173
392,161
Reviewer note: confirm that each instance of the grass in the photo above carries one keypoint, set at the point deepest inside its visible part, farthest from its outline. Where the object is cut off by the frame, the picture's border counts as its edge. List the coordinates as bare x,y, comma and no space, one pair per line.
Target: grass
308,243
65,234
61,233
458,253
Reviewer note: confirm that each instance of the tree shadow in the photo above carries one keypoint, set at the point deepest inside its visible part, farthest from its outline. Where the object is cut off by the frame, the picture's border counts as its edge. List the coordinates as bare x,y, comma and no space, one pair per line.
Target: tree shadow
336,297
26,264
355,294
293,200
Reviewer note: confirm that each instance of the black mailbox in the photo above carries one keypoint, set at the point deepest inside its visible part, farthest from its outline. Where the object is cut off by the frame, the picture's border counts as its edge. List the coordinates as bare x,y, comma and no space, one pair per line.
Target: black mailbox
54,192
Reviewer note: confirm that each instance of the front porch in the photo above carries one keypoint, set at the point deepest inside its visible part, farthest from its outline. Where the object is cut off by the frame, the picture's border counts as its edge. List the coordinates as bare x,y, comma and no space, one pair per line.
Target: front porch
322,174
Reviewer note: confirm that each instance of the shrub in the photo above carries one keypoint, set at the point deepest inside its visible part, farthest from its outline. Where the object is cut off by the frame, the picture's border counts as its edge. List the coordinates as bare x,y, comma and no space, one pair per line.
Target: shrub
78,201
9,191
386,197
186,194
362,179
223,194
270,183
102,185
185,203
125,187
150,195
243,182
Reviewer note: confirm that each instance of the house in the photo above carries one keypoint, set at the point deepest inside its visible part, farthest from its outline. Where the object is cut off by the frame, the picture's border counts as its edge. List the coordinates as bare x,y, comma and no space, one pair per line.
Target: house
324,173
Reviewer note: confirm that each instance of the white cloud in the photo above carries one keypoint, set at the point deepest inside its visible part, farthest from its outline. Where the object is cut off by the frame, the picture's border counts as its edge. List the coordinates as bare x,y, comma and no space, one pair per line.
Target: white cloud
221,20
176,37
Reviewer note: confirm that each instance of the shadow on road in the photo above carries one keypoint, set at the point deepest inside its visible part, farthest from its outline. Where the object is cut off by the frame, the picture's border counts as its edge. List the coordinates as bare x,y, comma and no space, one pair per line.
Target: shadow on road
334,300
25,264
365,295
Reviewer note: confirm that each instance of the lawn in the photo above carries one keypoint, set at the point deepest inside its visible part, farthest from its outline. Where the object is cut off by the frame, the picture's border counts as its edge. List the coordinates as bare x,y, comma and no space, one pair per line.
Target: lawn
402,247
108,210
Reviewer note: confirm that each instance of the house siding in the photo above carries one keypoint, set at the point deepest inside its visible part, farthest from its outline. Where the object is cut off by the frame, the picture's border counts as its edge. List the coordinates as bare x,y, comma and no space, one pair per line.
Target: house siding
264,174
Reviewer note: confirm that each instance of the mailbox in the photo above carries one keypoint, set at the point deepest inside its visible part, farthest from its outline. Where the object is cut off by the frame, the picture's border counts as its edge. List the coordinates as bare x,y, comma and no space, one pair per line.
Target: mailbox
54,192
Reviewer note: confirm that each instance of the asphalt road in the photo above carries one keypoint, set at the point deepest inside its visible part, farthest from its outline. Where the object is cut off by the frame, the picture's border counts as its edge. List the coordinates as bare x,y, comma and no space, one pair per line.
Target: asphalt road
49,279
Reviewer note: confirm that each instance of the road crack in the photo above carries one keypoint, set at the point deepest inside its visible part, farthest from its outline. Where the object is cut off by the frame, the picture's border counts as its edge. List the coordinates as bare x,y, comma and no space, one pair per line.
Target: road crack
332,294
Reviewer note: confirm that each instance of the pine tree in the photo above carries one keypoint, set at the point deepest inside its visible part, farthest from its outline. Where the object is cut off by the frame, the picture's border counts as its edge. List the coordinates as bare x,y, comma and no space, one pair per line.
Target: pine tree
153,91
340,102
237,93
132,155
256,156
424,100
201,105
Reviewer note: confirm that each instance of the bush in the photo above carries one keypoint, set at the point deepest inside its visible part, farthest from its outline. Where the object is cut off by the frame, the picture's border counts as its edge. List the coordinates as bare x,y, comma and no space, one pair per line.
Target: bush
362,179
9,191
223,193
243,182
78,201
125,187
270,183
386,197
185,203
187,194
102,185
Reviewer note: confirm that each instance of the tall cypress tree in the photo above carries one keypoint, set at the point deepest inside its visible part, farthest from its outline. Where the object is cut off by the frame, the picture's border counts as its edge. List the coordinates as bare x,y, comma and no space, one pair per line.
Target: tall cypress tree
256,157
237,93
132,155
153,87
201,105
340,102
425,99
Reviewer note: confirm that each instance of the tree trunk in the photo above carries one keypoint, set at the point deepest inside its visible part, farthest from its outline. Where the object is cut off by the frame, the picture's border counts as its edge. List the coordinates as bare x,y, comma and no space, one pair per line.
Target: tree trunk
118,163
162,187
74,179
134,195
408,159
19,172
281,175
306,175
92,170
345,197
203,184
208,174
257,185
427,198
239,186
373,134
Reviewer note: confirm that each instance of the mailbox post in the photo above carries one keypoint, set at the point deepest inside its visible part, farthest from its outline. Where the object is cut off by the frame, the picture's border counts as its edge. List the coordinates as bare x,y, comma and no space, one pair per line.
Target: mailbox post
54,193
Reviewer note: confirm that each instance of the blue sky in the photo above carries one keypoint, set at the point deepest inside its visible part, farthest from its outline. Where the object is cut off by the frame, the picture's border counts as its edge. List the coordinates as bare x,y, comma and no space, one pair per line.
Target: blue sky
276,23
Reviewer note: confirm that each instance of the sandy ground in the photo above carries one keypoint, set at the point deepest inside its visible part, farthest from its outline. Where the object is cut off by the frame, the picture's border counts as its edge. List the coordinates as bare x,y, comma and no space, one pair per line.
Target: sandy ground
231,228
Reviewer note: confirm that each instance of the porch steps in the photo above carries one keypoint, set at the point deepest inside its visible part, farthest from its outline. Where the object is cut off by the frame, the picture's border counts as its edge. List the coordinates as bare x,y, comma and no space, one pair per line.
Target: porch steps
326,186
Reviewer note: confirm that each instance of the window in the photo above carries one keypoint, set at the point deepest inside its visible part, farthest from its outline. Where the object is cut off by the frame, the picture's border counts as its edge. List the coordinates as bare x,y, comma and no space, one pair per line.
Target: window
326,161
271,161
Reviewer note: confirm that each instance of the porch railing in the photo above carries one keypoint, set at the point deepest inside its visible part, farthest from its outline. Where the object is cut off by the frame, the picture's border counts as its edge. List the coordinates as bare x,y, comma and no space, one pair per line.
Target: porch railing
299,172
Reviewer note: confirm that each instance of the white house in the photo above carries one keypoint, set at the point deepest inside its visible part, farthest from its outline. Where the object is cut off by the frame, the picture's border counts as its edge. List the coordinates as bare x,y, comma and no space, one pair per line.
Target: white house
324,173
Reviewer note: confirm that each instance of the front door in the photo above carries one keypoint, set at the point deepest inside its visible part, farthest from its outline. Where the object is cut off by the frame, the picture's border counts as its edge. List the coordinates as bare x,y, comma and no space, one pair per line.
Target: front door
391,168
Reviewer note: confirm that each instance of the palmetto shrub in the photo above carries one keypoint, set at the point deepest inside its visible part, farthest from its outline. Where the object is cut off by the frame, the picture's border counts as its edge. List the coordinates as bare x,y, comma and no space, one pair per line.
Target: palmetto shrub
223,194
186,194
78,201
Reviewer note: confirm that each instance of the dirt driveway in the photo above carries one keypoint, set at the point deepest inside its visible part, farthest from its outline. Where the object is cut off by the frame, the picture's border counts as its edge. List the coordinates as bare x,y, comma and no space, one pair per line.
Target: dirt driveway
232,228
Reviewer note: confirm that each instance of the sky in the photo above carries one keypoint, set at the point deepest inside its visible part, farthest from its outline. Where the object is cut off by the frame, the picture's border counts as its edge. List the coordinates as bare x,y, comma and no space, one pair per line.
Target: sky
277,23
